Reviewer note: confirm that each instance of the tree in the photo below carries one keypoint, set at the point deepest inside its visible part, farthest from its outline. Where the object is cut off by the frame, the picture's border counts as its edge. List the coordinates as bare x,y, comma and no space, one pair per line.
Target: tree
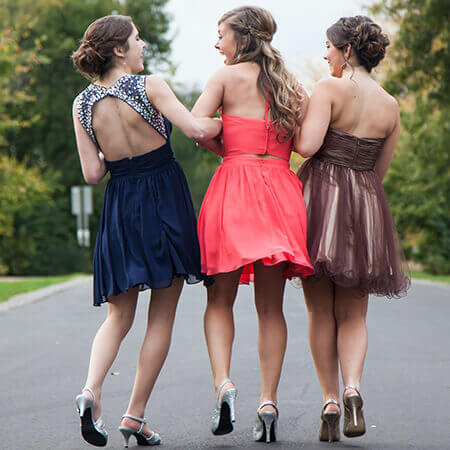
417,184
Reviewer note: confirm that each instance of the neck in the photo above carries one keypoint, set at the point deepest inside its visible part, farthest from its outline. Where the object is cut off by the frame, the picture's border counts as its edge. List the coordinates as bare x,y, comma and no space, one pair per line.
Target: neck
352,70
113,75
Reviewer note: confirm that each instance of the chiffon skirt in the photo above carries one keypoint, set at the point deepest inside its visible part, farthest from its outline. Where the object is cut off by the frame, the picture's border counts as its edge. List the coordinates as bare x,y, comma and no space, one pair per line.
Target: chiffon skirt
148,230
351,235
253,211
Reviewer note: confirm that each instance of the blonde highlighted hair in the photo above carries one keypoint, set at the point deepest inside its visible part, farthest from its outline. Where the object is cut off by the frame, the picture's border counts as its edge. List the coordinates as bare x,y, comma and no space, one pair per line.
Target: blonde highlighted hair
253,29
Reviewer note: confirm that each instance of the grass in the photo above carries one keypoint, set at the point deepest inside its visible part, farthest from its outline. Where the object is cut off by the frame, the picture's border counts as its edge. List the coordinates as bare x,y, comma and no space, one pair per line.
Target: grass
10,288
427,276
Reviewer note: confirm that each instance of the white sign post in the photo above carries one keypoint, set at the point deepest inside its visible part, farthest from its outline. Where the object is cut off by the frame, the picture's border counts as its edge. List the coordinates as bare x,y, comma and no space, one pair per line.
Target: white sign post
82,207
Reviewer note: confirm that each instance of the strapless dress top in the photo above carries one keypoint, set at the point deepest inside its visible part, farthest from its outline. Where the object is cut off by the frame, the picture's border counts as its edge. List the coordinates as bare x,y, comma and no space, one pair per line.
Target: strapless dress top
250,136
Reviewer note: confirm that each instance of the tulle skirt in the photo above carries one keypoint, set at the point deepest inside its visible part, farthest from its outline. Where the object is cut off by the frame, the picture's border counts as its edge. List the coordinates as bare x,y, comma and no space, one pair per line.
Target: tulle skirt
253,211
351,235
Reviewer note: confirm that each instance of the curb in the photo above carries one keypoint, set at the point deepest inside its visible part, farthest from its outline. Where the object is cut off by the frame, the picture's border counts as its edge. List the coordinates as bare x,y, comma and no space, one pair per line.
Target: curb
40,294
430,283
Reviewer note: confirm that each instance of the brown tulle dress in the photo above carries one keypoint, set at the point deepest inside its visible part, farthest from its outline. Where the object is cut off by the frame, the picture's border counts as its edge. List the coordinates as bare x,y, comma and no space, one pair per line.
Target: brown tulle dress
351,235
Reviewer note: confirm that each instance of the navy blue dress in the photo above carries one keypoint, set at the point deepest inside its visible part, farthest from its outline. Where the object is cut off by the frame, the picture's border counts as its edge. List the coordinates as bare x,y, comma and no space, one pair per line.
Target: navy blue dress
148,230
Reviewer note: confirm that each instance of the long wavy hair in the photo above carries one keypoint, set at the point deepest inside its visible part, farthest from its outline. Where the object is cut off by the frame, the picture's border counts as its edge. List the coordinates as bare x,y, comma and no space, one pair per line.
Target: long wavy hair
253,29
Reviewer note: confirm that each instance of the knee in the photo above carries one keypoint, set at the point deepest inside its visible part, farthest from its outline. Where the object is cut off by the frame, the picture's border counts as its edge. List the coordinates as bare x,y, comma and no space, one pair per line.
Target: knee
122,320
345,314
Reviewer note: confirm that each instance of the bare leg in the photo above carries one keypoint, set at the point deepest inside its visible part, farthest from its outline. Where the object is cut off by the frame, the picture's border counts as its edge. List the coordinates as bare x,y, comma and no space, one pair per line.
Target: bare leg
272,332
121,310
161,315
219,324
350,311
319,297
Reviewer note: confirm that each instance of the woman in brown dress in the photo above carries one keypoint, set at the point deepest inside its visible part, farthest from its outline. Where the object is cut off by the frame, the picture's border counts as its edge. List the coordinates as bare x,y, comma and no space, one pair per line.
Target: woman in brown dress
350,131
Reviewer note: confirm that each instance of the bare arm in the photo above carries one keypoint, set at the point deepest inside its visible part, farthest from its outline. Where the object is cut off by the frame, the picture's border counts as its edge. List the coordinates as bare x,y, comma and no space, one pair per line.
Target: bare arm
92,162
160,95
316,121
207,105
387,152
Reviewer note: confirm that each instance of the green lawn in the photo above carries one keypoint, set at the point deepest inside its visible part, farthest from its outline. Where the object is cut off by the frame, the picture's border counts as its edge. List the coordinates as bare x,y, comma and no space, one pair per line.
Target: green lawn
427,276
11,288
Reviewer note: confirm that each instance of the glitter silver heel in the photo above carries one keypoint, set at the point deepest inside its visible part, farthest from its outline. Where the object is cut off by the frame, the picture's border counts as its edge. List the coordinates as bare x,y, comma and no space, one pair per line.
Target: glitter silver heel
141,438
224,414
265,426
92,431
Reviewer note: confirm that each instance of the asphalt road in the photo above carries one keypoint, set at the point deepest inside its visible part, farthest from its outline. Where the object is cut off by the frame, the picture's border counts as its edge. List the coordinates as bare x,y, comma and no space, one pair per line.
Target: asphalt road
44,349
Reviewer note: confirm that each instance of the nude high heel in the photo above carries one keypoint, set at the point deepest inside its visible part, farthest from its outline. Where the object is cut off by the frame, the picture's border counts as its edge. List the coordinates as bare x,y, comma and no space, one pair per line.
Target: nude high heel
354,424
329,428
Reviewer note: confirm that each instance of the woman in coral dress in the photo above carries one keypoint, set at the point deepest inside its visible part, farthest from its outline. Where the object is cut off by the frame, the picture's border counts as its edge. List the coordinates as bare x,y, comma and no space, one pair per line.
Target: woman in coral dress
252,224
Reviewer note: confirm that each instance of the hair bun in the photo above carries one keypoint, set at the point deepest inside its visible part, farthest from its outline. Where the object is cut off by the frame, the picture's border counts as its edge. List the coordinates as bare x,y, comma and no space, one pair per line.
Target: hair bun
87,59
370,44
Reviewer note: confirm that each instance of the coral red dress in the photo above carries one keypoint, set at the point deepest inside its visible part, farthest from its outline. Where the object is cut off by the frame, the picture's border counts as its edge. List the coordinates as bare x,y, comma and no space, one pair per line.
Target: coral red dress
253,209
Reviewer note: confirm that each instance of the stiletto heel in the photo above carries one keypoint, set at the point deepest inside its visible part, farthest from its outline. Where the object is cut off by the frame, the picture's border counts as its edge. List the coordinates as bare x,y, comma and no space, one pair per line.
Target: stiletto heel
329,428
224,415
354,424
141,438
265,426
126,436
92,431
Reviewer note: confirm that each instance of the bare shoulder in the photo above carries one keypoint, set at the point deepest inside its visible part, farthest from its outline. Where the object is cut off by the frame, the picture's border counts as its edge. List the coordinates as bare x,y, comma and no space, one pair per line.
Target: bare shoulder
328,87
154,82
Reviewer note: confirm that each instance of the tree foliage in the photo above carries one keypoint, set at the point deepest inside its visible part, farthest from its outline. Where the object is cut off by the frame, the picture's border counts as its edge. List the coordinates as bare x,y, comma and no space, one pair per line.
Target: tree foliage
417,184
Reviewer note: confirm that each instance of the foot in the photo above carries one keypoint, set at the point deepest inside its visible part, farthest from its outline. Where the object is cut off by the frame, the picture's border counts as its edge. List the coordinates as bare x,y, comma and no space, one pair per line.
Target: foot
267,408
225,388
127,422
97,405
332,408
350,391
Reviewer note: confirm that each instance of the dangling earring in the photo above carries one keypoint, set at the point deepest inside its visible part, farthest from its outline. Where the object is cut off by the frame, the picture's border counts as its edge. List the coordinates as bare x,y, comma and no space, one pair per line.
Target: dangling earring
344,66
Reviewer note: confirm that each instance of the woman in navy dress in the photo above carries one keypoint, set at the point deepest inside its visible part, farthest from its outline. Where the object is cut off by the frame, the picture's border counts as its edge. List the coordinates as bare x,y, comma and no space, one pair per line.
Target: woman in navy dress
147,235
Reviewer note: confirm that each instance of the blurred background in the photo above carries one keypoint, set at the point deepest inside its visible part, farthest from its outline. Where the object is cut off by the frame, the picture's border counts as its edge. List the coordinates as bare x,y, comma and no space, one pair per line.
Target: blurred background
38,157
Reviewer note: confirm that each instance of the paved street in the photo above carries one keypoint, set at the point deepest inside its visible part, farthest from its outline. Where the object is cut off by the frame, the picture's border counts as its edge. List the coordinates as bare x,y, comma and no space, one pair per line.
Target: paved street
44,349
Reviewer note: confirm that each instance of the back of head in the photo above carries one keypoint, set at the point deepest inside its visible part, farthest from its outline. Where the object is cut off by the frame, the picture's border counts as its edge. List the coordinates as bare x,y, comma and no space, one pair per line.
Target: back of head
95,56
365,37
253,29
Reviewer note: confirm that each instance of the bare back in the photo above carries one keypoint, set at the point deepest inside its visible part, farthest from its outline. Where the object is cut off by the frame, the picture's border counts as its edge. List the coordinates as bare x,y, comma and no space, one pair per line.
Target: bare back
362,108
241,96
121,132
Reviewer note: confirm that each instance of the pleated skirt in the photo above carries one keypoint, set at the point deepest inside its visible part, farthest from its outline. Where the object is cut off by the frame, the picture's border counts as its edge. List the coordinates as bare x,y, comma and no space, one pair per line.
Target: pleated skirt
148,231
253,211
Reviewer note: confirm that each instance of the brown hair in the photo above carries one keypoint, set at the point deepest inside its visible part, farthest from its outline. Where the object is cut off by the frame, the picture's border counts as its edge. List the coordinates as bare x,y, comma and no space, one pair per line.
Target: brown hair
365,37
253,29
95,56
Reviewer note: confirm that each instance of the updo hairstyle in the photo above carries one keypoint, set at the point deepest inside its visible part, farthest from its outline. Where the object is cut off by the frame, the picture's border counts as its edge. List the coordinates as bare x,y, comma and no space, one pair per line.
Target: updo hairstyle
95,56
365,37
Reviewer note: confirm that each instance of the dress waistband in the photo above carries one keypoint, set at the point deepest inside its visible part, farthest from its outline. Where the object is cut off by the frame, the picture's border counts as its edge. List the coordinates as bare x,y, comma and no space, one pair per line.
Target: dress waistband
254,161
142,164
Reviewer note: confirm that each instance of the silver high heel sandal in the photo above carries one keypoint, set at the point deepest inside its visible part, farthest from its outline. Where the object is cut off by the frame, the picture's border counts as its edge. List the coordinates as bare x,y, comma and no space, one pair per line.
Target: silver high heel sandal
141,438
224,414
92,432
266,424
